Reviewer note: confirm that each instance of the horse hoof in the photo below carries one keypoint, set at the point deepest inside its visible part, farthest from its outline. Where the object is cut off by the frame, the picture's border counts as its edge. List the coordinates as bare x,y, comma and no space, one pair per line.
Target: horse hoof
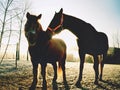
78,84
32,88
44,85
65,82
54,82
44,88
96,82
100,79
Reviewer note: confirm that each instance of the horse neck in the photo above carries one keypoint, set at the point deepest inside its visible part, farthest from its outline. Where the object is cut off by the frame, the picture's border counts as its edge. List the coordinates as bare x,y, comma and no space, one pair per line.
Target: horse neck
43,38
77,26
68,23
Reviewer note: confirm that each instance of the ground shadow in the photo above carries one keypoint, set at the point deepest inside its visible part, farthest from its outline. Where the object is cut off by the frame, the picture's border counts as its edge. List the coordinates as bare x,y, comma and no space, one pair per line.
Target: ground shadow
66,86
100,86
83,88
8,69
116,85
111,83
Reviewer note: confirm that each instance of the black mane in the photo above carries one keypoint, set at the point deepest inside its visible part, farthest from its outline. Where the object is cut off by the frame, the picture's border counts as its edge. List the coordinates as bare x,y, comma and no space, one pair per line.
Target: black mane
76,25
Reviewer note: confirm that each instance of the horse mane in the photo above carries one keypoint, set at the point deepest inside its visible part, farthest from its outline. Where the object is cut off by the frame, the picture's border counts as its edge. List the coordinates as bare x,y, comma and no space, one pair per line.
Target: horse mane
81,23
75,18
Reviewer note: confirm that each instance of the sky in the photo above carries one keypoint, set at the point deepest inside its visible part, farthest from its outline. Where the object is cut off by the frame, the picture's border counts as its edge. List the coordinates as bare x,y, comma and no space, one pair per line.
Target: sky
104,15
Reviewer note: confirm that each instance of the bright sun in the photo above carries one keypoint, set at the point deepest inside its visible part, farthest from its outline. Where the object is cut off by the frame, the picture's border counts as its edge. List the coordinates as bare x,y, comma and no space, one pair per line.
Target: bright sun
69,39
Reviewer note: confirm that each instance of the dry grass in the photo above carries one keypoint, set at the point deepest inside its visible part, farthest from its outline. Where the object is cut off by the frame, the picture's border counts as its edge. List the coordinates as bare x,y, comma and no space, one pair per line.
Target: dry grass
21,78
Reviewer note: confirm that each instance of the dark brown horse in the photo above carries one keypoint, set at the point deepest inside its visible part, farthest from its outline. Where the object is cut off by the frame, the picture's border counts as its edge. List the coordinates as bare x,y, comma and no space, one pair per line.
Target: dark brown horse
89,40
43,50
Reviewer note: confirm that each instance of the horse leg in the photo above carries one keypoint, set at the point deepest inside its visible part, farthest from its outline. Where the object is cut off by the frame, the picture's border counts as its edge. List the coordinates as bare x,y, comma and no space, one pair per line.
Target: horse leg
63,69
35,79
101,66
96,68
62,62
55,72
64,73
43,72
82,59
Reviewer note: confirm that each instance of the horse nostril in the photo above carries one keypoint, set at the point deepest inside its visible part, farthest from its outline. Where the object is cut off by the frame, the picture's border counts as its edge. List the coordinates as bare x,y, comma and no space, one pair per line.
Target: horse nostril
31,34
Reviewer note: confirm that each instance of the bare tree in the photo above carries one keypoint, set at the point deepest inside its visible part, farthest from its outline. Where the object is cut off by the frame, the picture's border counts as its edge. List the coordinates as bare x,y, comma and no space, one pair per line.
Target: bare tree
20,18
7,42
5,9
18,9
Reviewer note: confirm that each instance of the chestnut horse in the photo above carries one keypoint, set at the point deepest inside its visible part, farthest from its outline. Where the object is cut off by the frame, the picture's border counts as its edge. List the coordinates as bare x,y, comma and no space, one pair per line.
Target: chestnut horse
89,40
43,50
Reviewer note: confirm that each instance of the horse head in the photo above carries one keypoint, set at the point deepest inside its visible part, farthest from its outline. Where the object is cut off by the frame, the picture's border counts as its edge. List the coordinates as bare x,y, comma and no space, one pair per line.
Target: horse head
32,28
57,22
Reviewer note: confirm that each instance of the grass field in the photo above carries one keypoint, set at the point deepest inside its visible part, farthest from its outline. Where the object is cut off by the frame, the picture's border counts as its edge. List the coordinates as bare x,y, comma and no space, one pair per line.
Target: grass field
21,78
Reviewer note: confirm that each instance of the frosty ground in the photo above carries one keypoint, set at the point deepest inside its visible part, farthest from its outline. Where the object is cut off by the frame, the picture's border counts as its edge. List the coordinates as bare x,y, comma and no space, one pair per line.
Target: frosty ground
21,78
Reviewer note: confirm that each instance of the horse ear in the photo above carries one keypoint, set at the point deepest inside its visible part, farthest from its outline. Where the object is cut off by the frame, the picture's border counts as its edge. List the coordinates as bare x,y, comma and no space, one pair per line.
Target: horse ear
28,15
39,16
61,11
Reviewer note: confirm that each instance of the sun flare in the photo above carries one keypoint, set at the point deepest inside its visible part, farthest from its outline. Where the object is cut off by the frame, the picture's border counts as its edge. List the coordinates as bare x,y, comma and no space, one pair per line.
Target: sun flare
68,37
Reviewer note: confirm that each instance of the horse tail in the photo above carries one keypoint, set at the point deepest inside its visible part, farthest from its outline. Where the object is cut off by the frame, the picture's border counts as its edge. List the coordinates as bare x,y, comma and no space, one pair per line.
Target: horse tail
59,69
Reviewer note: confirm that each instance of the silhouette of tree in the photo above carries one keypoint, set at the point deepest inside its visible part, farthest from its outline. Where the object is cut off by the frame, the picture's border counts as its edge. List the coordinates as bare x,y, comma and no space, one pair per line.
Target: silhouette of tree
4,8
20,18
9,10
7,42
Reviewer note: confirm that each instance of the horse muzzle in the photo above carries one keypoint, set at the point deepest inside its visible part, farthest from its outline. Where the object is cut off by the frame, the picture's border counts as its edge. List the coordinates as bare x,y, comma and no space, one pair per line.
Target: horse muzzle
31,37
